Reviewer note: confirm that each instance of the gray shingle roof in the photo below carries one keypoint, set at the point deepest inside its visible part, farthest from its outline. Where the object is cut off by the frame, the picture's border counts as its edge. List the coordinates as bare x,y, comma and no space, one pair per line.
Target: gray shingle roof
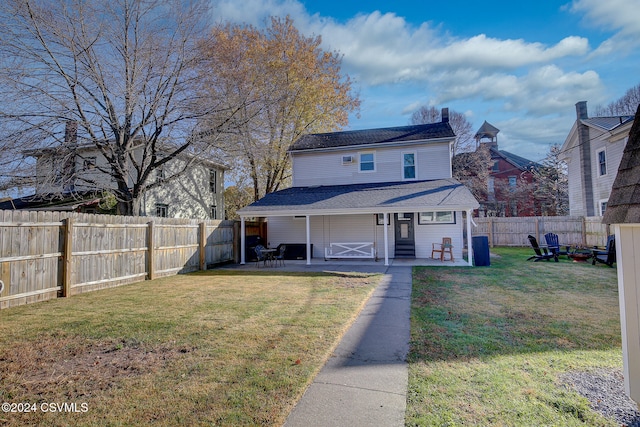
623,206
608,123
374,136
520,162
441,194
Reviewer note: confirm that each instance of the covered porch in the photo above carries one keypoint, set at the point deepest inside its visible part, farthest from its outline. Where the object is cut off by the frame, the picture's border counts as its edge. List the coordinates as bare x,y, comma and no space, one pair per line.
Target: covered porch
380,221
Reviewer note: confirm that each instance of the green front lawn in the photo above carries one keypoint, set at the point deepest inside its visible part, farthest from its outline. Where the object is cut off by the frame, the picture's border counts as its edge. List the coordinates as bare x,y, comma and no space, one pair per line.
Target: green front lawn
488,344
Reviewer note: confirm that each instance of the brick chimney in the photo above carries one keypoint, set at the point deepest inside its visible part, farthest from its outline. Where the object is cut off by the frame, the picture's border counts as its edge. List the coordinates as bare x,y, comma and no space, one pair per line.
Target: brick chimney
71,132
581,110
445,115
584,144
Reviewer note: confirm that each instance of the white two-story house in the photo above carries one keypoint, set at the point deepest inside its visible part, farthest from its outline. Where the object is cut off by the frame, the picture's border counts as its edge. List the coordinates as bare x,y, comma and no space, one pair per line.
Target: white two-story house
76,177
387,192
592,151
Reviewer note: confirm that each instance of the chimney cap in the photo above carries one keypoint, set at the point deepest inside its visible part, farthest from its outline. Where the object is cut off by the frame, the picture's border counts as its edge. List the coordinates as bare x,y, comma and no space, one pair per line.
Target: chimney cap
445,115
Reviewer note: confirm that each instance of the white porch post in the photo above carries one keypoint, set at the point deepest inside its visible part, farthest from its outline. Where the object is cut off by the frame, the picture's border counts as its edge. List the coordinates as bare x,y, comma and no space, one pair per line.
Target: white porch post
469,240
242,241
386,238
308,241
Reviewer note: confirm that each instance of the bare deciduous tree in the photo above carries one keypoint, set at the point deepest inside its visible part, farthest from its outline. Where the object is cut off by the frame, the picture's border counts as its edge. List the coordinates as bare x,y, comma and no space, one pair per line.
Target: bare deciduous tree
461,126
473,170
626,105
552,184
123,70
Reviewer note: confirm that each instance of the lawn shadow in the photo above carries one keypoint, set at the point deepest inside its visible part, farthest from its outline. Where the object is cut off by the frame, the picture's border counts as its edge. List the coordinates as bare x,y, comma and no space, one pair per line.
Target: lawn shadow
512,309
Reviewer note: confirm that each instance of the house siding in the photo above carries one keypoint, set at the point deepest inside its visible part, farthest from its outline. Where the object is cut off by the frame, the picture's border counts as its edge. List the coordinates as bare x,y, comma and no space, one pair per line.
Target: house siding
602,184
187,196
324,231
587,188
326,168
575,189
360,228
426,235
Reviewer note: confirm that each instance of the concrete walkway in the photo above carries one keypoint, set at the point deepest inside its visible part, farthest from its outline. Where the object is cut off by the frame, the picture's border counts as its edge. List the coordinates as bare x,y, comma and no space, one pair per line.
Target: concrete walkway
364,383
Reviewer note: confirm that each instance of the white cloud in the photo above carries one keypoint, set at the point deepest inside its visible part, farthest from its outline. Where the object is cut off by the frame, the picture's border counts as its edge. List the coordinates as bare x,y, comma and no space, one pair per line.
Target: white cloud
616,15
255,12
620,16
532,87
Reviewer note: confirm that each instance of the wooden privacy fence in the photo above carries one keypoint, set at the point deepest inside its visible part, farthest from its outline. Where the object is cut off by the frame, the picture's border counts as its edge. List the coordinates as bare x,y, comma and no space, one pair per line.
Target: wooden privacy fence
587,231
44,255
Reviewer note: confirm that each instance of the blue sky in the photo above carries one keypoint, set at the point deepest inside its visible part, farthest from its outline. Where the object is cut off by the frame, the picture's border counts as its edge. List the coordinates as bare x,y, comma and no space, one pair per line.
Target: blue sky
520,66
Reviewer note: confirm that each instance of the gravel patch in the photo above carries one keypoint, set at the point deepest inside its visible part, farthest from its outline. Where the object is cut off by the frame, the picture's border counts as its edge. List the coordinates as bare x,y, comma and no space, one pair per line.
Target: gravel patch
604,388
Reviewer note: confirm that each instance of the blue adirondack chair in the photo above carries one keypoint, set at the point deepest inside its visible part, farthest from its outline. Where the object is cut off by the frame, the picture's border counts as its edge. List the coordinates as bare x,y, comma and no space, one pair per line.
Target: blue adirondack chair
542,253
606,256
554,245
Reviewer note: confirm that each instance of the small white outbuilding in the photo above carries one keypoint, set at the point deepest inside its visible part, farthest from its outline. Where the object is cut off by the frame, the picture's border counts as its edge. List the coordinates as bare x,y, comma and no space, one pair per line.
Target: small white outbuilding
623,213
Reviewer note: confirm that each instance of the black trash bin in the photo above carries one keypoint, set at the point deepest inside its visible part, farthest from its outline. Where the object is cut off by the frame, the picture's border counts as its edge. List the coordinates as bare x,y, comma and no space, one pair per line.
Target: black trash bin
480,246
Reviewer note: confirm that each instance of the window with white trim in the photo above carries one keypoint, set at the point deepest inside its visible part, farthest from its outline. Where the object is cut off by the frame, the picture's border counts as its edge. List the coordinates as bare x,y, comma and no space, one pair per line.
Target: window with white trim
380,219
602,162
603,206
437,217
409,165
367,161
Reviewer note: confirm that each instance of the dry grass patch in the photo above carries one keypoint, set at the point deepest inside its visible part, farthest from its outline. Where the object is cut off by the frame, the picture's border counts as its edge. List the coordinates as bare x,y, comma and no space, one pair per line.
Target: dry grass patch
215,348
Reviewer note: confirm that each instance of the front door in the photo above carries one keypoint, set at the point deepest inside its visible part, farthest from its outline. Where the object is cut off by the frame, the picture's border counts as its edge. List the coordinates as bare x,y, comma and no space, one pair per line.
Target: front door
405,240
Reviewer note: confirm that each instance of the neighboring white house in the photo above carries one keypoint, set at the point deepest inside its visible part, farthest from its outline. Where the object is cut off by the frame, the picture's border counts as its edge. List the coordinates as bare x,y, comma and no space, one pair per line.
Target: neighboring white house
75,178
624,214
347,185
592,152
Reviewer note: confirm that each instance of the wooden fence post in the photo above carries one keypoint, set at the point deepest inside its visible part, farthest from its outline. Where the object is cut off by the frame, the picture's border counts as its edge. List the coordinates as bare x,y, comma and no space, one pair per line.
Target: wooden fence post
203,246
584,230
236,242
66,257
150,254
491,234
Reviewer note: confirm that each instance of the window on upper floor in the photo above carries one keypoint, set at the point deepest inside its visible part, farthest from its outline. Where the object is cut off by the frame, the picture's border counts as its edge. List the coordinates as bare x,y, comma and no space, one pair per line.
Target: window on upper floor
602,162
513,183
367,162
89,163
491,185
212,181
162,210
160,173
496,166
409,165
213,213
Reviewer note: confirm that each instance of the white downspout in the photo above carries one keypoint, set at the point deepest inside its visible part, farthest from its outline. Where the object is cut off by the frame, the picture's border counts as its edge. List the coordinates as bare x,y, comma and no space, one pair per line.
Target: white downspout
242,241
308,241
469,240
386,239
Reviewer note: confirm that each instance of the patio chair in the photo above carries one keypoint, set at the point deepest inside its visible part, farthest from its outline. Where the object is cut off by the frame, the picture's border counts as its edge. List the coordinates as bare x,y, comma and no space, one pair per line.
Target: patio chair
280,256
554,245
542,253
260,256
446,247
606,256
